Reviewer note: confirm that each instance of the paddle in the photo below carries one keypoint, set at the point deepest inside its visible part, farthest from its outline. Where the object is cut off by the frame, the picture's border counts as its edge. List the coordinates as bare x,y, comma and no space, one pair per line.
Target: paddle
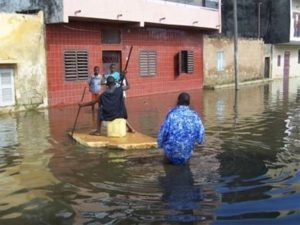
82,97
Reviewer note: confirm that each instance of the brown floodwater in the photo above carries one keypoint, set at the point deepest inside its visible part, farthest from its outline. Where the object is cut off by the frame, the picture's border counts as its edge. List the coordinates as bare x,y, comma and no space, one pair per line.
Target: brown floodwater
247,172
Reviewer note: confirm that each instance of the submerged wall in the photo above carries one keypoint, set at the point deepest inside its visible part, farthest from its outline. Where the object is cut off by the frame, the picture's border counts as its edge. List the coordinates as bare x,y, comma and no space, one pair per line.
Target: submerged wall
251,60
22,50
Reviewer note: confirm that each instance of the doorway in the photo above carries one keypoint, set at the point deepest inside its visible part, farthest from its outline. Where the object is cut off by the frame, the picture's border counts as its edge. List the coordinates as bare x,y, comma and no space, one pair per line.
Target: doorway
111,57
267,67
286,65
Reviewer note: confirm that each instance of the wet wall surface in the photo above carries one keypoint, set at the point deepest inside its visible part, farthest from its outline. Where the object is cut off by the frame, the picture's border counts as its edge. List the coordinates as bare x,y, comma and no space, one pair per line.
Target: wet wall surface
246,173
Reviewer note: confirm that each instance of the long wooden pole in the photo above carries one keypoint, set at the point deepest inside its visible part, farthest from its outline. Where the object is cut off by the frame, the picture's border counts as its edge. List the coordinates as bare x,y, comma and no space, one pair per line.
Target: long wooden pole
82,97
128,58
236,69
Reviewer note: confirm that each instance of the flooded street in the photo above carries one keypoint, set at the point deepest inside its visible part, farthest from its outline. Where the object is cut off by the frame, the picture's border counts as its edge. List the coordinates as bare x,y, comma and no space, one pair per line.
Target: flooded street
248,171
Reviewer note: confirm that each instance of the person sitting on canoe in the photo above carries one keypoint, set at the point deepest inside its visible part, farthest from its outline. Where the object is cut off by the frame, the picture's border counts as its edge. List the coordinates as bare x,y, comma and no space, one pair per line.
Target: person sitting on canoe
111,105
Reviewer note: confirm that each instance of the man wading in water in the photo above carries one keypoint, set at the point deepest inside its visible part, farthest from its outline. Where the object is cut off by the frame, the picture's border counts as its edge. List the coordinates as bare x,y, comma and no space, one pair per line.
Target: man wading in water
111,105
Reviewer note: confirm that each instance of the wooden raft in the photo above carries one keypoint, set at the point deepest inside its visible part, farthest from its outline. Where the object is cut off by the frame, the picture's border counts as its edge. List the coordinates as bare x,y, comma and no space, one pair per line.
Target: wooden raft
130,141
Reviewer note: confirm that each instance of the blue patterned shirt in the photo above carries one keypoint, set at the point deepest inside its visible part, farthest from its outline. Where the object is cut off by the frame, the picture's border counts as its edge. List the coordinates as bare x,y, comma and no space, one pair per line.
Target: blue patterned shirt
179,132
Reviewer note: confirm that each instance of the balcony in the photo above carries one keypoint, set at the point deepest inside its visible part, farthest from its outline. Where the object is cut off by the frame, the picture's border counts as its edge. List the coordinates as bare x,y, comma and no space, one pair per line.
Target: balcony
203,14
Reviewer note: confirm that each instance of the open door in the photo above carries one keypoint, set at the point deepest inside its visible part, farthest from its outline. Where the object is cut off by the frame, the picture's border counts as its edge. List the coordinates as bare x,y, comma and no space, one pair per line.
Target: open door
111,57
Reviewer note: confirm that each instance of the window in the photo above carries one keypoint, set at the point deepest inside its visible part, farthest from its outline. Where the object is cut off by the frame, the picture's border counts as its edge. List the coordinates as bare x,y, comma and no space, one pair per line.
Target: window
278,60
185,62
111,36
220,61
148,62
76,65
7,90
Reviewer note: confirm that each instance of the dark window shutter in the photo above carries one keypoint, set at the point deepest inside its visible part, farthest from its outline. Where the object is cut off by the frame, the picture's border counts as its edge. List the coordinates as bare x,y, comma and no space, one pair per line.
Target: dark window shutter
179,63
185,62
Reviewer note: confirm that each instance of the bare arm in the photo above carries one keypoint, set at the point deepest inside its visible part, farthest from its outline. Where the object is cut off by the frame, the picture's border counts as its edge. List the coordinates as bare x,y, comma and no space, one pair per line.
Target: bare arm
90,103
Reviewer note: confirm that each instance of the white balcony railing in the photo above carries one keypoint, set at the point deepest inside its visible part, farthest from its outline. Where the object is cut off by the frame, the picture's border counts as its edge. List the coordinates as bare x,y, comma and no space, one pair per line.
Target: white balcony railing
203,3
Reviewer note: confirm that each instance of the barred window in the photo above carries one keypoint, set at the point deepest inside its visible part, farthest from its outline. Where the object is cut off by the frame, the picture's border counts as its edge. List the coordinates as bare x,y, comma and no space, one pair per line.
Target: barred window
220,61
111,36
76,65
7,91
185,62
148,62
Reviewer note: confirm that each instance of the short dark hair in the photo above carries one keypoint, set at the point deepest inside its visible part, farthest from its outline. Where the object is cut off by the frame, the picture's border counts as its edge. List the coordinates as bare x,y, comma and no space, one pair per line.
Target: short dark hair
110,81
183,99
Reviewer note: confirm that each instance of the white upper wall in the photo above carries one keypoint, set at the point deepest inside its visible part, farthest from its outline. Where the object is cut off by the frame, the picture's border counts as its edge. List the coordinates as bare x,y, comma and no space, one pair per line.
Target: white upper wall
294,66
144,11
295,22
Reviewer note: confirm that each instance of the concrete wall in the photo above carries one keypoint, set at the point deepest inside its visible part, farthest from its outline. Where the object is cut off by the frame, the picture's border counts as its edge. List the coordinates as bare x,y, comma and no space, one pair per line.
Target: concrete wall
23,49
277,71
53,10
251,60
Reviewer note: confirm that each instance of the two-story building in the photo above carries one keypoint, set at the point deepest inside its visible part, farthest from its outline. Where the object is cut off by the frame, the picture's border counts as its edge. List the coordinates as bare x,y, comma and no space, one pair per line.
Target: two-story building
286,46
269,42
166,38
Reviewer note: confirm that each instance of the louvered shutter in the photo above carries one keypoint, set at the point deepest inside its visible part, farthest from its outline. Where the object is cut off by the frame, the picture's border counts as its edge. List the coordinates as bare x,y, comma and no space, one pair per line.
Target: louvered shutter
190,62
82,65
76,65
70,65
148,63
151,63
7,92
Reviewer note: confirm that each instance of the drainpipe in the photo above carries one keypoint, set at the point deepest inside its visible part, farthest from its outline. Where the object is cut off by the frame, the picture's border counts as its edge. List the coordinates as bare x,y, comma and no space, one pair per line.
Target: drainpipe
236,72
258,20
271,62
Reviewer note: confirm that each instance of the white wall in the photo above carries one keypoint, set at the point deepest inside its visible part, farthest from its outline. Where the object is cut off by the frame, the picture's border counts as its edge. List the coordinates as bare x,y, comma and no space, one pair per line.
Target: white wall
277,71
144,11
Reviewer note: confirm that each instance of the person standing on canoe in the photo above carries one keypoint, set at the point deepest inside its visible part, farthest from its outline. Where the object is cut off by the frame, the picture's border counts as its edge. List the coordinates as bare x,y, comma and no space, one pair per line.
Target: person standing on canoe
180,131
111,105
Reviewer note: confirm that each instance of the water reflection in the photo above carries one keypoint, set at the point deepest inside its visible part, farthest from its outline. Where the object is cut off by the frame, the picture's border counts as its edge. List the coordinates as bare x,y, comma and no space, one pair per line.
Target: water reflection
180,194
24,169
247,172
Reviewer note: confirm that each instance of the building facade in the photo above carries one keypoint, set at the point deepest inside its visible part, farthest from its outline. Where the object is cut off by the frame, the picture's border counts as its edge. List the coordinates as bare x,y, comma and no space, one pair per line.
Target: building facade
277,24
23,81
166,39
286,54
219,64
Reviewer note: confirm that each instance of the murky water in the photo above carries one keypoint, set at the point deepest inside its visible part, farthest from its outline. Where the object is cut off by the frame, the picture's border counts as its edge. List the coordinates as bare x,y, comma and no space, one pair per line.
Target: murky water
248,172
